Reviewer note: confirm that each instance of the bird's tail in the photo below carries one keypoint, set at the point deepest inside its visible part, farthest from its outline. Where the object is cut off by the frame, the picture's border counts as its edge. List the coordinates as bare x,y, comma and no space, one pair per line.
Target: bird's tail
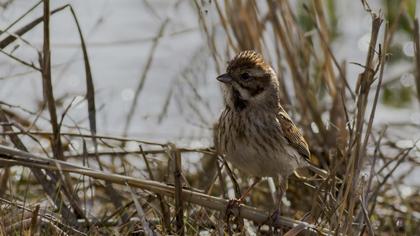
304,175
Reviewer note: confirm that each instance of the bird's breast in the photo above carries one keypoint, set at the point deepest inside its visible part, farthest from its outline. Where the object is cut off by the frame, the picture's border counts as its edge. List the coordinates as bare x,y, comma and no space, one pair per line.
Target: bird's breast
254,143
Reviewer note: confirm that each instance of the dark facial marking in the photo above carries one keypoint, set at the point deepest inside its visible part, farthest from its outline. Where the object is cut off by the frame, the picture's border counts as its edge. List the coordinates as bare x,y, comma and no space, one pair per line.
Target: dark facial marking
256,88
238,102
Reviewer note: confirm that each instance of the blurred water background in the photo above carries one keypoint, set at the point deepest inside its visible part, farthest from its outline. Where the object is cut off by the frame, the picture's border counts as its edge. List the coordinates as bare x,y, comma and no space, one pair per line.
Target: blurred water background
180,99
154,64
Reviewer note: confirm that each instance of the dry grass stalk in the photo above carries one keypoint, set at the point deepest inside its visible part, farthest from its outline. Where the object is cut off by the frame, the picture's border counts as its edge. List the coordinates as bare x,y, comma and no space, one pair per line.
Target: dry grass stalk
353,170
57,147
34,221
28,27
140,213
10,157
90,97
175,155
18,217
314,84
163,204
48,186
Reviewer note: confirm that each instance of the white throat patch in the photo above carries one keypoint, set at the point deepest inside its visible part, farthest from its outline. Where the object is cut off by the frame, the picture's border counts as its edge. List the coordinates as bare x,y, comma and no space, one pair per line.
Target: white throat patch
244,93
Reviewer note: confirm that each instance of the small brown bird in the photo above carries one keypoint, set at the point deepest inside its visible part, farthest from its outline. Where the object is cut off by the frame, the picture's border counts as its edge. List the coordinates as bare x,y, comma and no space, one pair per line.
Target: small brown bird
255,133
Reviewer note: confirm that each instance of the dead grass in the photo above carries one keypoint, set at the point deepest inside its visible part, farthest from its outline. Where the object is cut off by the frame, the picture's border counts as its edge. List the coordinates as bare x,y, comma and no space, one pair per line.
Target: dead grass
62,190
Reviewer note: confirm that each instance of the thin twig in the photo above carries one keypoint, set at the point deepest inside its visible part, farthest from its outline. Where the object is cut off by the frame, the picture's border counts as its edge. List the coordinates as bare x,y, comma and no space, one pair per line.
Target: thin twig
143,77
140,213
47,185
56,144
179,202
11,38
163,205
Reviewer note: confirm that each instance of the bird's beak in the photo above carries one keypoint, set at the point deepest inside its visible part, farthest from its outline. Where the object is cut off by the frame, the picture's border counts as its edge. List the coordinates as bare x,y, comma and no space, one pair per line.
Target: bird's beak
224,78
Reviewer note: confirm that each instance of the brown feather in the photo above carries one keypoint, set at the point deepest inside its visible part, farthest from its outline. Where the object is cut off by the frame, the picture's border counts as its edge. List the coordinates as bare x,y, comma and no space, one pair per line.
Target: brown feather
250,59
293,135
256,135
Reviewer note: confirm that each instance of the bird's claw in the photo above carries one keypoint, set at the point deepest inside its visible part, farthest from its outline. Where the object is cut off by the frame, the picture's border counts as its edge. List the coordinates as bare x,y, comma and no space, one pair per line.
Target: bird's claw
232,208
273,221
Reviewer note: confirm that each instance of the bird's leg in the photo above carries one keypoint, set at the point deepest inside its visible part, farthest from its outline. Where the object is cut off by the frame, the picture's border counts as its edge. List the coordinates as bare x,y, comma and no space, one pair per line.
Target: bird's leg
281,190
257,180
232,207
234,203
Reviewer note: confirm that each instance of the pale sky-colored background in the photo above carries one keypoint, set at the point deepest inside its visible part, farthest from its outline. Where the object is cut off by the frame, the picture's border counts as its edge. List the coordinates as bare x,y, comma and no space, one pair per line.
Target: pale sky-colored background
119,36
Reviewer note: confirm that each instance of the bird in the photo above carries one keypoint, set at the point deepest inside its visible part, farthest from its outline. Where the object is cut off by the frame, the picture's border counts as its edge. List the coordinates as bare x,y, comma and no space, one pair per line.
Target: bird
255,134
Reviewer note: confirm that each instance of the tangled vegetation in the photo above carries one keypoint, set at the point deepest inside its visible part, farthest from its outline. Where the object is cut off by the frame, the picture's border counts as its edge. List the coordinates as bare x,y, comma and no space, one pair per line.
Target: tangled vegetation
62,178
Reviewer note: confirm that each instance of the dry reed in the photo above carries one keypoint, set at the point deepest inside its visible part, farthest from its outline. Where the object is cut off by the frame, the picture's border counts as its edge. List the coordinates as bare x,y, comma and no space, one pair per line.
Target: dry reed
362,195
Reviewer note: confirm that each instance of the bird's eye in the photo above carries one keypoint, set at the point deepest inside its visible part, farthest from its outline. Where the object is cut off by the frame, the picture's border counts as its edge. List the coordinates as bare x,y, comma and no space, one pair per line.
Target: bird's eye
245,76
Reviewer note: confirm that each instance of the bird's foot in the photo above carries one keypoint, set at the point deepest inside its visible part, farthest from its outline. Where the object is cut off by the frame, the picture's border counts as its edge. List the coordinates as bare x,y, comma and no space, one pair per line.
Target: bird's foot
232,209
274,219
274,223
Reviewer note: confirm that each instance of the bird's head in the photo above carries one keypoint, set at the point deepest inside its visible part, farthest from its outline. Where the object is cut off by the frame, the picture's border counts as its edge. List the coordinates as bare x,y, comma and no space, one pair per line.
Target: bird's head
249,81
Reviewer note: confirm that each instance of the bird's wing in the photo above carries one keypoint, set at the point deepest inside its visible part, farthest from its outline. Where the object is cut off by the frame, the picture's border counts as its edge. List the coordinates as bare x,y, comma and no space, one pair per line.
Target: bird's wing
293,134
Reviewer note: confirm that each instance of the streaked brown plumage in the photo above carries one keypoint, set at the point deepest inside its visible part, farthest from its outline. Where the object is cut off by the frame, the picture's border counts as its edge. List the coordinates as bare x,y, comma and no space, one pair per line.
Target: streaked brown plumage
255,133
